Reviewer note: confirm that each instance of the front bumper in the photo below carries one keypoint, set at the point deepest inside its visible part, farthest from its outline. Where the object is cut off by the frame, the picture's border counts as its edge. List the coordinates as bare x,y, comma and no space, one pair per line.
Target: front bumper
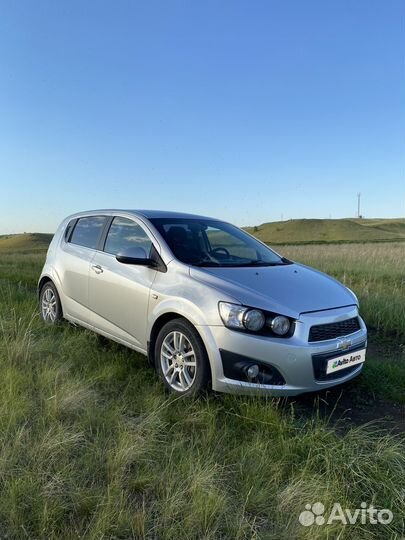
292,357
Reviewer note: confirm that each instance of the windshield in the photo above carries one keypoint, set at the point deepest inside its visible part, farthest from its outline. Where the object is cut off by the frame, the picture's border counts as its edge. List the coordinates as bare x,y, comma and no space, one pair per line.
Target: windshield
202,242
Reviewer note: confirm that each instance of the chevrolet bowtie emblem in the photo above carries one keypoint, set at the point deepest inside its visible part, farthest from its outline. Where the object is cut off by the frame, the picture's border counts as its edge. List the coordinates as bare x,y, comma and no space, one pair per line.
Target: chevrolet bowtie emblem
344,344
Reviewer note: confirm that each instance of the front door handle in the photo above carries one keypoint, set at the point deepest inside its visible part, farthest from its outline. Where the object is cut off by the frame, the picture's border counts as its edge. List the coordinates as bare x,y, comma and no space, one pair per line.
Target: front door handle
97,268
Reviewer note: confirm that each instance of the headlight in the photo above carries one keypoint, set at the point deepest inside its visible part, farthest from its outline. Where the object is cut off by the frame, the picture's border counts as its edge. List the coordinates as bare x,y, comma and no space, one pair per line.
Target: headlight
254,319
240,317
280,325
232,315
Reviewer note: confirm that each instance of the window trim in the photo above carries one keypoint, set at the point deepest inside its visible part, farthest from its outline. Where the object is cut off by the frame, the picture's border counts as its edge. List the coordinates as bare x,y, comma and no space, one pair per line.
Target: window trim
103,236
154,251
107,230
68,240
156,239
70,227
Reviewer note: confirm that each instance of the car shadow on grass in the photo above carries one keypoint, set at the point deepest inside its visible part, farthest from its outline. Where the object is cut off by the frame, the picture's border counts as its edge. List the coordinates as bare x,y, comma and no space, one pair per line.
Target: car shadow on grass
348,405
376,396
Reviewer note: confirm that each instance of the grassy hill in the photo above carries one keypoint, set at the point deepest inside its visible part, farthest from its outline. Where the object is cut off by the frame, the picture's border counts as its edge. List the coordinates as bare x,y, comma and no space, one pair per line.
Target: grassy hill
294,231
25,242
297,231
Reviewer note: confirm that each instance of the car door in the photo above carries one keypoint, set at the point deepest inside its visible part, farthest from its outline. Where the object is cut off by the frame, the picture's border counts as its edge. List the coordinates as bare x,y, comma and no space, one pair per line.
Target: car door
79,247
119,293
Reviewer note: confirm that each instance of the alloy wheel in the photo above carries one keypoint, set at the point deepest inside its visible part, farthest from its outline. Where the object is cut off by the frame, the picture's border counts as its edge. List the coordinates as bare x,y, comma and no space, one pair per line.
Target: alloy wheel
49,305
178,361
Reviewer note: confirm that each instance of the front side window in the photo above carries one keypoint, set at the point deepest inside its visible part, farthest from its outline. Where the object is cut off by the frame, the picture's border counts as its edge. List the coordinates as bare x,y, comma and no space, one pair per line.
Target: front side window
202,242
87,231
125,233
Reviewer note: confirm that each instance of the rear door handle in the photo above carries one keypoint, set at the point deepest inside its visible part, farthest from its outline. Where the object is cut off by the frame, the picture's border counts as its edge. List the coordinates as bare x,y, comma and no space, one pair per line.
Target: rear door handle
97,268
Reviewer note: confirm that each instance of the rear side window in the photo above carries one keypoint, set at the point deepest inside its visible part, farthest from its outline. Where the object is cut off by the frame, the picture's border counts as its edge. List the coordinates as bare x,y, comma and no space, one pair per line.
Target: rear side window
87,231
125,233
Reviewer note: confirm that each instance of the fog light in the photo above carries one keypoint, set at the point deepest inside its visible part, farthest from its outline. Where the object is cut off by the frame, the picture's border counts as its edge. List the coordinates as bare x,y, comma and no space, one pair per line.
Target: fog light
252,371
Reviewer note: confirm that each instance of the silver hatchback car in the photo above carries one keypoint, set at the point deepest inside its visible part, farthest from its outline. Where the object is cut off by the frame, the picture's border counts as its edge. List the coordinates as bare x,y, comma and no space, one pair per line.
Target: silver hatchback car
209,304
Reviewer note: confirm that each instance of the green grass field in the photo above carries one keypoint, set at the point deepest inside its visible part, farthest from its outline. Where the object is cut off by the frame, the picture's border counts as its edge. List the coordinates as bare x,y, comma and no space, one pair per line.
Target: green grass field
92,447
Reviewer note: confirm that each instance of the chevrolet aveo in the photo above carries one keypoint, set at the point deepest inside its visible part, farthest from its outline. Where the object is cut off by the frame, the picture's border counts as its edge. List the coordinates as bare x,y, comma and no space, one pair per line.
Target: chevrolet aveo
209,304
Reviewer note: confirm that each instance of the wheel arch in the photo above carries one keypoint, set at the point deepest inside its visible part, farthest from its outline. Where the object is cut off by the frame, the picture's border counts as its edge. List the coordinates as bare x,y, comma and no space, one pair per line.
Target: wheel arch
41,283
46,279
158,325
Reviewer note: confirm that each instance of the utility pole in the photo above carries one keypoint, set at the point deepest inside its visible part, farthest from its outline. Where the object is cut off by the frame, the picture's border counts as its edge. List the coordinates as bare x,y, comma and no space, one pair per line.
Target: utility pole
358,205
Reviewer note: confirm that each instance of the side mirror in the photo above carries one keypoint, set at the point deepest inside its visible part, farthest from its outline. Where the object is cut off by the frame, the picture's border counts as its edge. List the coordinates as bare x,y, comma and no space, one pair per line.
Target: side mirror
134,255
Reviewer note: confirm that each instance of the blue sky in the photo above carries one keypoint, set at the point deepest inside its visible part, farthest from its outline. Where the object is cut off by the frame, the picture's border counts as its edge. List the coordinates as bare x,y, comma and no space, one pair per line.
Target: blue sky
245,110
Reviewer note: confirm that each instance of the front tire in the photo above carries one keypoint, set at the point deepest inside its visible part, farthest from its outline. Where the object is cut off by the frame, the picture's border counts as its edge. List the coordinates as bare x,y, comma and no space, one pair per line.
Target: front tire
181,359
49,303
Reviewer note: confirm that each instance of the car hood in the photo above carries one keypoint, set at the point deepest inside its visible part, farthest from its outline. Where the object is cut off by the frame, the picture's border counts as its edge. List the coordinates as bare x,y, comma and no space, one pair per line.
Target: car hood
289,289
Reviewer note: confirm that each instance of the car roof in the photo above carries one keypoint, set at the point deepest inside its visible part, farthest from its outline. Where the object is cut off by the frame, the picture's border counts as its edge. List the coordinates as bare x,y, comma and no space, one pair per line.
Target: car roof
148,214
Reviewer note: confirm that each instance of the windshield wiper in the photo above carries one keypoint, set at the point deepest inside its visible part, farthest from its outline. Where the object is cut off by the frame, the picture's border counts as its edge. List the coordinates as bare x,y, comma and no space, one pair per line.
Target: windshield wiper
263,263
283,261
205,263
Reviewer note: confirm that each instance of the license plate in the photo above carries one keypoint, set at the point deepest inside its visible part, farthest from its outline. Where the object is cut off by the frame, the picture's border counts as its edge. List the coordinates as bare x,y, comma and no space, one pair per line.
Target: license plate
345,361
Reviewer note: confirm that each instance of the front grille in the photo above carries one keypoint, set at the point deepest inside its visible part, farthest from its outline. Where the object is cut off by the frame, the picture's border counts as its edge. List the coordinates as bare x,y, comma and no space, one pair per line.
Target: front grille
320,332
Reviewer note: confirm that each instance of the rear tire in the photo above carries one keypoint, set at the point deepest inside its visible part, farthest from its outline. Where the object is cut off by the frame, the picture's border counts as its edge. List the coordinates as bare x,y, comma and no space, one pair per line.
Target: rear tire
181,359
49,304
